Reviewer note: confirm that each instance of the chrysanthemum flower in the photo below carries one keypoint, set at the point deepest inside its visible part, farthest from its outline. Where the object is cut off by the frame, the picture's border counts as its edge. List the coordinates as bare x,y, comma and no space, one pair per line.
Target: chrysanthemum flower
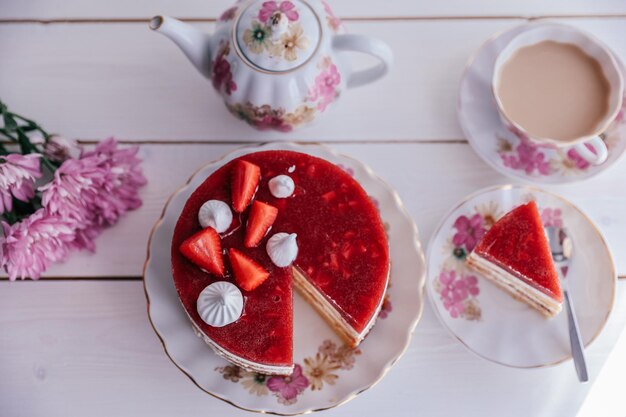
17,178
95,190
33,244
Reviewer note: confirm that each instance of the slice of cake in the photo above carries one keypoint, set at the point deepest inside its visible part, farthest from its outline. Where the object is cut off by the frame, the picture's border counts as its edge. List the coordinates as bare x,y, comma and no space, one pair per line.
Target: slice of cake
263,224
515,255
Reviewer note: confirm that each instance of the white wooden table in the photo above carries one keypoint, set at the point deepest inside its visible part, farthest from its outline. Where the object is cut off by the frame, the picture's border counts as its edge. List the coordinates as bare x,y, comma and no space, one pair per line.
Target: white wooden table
78,342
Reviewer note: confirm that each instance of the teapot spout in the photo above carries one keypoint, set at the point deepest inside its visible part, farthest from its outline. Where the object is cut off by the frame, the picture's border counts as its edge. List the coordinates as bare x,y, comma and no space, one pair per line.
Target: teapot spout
193,42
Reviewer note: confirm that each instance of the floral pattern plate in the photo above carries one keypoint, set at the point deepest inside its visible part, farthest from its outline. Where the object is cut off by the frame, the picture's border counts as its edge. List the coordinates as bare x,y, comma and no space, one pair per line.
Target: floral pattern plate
490,322
326,373
478,117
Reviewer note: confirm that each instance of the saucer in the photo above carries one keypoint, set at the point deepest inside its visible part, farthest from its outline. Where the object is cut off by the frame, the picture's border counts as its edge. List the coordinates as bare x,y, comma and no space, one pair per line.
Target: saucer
489,321
326,373
478,117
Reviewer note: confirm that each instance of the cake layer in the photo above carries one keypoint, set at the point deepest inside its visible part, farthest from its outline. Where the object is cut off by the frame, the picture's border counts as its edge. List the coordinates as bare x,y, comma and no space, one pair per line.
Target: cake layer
329,312
516,287
342,255
263,334
518,243
239,361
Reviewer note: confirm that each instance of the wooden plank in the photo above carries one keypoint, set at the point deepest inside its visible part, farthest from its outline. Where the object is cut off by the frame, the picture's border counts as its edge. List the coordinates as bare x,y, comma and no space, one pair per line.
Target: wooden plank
430,178
90,81
86,348
58,9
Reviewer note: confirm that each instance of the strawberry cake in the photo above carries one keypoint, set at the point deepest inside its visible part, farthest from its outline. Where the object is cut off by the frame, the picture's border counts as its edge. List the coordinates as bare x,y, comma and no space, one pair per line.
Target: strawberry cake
263,224
515,255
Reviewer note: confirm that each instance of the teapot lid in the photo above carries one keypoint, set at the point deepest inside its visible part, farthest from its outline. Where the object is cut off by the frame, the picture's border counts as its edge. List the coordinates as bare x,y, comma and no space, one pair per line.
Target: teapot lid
277,36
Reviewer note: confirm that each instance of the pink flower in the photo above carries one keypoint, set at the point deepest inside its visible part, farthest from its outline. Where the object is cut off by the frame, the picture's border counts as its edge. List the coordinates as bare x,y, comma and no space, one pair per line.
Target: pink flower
528,158
471,283
95,190
333,21
31,245
73,191
469,231
551,217
120,189
272,122
17,178
325,86
73,194
222,75
58,149
579,161
455,290
287,388
270,7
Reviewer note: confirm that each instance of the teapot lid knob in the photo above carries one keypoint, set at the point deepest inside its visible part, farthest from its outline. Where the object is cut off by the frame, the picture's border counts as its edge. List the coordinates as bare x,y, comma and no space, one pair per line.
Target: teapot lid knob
277,36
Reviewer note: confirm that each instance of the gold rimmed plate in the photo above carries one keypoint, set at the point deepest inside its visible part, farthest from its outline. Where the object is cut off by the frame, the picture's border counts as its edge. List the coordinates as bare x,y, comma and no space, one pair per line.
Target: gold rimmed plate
490,322
326,374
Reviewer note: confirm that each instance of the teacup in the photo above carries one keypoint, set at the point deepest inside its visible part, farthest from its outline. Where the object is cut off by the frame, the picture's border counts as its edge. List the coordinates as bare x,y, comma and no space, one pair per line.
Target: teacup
589,145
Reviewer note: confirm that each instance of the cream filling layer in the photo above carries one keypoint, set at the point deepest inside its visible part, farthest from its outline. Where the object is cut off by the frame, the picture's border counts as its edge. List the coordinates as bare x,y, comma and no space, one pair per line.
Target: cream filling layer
238,360
517,287
329,312
324,307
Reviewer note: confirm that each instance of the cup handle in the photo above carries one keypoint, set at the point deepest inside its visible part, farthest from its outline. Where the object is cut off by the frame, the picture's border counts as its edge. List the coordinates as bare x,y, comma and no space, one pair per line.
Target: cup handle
370,46
598,145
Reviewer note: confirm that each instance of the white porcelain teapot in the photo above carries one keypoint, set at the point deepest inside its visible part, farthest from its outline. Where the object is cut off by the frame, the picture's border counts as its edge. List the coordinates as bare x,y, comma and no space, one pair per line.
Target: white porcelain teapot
278,64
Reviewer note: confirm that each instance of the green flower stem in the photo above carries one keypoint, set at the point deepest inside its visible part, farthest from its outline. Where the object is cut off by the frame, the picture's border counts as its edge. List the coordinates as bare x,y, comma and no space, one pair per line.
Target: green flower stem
49,164
31,125
10,217
16,132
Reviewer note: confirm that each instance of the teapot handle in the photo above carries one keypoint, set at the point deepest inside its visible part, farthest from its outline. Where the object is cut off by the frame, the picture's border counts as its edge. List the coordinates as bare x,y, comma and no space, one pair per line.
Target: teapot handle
370,46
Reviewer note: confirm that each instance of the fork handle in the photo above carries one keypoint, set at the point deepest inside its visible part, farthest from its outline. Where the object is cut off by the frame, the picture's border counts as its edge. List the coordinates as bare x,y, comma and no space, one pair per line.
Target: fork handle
575,340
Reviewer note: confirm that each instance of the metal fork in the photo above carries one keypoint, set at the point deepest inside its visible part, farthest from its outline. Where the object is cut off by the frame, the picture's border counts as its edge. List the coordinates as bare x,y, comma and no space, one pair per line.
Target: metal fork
562,249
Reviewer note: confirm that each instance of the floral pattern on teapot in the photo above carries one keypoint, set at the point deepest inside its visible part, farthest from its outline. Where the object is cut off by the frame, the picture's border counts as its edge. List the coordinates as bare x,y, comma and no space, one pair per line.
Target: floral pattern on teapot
221,74
321,94
278,64
277,31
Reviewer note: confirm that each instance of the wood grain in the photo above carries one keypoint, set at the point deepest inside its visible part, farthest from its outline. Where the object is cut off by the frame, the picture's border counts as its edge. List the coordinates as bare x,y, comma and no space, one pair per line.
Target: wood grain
91,351
94,80
430,179
89,69
63,9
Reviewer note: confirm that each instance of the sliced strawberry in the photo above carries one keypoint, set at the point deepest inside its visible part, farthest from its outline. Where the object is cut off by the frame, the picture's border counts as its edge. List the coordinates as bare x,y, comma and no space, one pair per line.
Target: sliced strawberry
204,249
248,274
262,216
245,181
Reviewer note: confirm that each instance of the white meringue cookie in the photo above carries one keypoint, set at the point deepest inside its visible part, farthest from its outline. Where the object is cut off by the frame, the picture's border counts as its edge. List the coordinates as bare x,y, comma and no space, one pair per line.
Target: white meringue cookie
220,303
282,186
215,214
282,249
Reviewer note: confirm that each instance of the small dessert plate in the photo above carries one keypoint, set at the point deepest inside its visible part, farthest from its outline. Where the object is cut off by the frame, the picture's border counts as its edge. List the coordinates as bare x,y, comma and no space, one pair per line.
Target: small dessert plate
490,322
326,373
478,117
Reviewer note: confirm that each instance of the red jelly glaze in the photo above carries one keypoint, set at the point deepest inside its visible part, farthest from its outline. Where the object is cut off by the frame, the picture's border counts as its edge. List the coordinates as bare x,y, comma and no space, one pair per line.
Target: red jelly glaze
342,248
517,243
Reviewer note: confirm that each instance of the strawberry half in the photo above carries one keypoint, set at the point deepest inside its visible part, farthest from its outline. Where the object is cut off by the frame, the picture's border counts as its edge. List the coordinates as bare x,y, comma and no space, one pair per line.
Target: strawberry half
261,218
248,274
204,249
244,184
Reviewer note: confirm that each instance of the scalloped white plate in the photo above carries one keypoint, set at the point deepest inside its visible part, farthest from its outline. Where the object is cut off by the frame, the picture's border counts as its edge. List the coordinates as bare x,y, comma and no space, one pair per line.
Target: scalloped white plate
344,373
490,322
